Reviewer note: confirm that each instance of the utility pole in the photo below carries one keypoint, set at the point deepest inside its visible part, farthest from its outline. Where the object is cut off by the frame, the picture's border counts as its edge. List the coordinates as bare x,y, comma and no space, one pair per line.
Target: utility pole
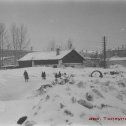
104,51
2,50
0,54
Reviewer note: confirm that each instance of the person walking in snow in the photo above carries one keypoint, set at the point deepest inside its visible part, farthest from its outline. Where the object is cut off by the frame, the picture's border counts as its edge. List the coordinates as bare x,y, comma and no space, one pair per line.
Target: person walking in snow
56,76
26,77
59,75
44,75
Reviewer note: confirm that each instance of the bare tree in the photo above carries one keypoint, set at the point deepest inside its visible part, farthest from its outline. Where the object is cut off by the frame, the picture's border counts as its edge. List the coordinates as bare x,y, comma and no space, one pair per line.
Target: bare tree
13,35
2,41
23,39
69,44
51,45
7,42
19,35
123,47
14,41
19,39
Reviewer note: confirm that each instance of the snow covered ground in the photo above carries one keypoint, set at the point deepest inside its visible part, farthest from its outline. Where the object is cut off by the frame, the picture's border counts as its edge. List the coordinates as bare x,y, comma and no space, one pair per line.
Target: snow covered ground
77,99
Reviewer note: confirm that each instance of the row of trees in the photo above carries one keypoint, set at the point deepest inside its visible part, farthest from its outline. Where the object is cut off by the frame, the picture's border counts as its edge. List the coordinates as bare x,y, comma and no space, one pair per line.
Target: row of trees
53,45
15,38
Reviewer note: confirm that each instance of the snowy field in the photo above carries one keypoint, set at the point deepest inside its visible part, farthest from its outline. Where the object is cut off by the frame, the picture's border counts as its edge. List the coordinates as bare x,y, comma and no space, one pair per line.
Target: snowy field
77,99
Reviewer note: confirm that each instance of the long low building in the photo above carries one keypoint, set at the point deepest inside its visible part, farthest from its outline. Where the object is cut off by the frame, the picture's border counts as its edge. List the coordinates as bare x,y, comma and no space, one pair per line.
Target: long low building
52,58
117,60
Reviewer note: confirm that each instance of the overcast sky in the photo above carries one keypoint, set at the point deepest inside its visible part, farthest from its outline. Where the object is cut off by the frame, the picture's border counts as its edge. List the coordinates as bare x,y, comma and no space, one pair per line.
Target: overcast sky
84,22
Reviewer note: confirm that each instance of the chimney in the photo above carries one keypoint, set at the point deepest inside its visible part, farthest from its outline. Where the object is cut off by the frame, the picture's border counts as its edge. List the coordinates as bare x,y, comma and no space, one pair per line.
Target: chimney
57,51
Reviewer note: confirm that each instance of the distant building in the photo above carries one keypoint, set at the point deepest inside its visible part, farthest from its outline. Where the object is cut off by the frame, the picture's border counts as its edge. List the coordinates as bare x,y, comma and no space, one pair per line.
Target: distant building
9,57
92,62
90,53
92,58
52,58
8,61
118,52
117,60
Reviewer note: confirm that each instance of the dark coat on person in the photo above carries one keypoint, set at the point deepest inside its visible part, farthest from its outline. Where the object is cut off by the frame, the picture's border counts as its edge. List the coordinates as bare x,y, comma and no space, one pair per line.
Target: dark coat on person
56,76
59,75
44,75
26,75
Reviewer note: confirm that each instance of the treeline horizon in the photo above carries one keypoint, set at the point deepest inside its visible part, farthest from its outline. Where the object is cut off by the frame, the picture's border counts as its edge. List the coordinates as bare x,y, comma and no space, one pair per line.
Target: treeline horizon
15,37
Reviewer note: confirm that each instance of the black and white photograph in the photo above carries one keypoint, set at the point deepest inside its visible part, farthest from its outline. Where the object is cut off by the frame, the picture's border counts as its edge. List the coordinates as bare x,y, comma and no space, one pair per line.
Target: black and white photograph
62,62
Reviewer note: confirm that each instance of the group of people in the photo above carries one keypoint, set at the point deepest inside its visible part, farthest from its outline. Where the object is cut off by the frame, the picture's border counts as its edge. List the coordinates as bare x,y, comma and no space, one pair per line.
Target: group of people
57,75
61,78
26,76
43,75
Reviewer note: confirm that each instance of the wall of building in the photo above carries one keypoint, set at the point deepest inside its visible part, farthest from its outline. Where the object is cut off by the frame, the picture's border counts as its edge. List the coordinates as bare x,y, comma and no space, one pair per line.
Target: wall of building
72,57
25,64
45,62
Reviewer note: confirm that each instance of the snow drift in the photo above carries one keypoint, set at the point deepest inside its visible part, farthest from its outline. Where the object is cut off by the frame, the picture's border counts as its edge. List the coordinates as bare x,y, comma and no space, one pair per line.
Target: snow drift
74,99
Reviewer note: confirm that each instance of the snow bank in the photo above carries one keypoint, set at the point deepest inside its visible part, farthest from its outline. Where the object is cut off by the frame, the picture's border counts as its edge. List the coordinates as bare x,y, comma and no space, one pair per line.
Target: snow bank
72,102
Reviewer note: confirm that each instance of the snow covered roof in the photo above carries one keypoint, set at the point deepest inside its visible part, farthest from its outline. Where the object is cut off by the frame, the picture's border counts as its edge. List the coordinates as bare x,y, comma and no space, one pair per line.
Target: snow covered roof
115,58
44,55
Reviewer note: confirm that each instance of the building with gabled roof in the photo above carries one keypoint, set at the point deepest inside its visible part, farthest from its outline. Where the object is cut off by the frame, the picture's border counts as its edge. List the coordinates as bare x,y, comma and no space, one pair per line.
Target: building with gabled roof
53,58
